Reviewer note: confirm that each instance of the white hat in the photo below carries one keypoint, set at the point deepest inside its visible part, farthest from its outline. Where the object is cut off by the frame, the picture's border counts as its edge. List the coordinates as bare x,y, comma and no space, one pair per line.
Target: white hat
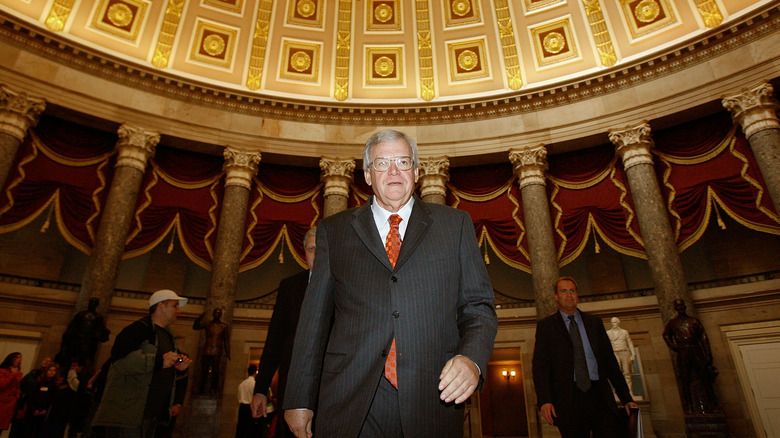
164,295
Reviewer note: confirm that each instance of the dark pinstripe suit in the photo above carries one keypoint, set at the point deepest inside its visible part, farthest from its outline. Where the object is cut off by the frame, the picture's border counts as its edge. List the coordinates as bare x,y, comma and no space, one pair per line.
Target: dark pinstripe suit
437,303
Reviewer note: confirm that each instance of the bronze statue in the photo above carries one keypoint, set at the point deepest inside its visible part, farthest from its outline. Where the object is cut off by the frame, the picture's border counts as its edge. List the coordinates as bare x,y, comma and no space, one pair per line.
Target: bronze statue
696,374
217,343
81,338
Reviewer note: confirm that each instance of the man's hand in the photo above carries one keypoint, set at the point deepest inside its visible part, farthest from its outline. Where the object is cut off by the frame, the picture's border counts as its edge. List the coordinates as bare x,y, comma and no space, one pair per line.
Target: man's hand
175,409
169,359
629,406
458,379
258,404
299,421
183,362
548,412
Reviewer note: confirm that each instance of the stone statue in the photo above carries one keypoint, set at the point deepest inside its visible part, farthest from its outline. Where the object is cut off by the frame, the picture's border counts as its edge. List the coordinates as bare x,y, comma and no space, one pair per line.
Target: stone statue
624,350
696,374
217,344
81,338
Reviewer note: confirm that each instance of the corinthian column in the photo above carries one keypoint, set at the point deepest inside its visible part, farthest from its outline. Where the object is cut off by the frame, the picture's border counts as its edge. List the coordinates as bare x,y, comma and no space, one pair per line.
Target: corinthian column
529,167
434,174
135,146
755,110
337,174
18,113
634,146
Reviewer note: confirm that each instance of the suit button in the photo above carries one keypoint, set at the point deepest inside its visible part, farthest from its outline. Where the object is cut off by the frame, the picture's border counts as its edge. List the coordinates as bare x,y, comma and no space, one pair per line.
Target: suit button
384,353
396,314
394,278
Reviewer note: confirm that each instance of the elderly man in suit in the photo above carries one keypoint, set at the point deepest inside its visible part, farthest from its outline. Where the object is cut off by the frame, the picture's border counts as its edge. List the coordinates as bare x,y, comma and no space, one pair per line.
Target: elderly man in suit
405,293
277,352
573,366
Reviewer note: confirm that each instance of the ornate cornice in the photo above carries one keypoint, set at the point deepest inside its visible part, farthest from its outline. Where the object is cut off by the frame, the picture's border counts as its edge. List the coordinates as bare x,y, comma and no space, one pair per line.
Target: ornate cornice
683,56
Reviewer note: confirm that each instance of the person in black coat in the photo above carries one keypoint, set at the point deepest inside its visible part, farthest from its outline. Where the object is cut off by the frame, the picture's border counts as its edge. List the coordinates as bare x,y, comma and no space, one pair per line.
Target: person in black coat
277,352
583,404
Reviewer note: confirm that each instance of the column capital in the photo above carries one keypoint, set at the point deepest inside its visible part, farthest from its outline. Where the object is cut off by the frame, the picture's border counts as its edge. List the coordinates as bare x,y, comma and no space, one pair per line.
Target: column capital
18,112
753,108
136,145
434,174
529,165
240,167
633,144
337,174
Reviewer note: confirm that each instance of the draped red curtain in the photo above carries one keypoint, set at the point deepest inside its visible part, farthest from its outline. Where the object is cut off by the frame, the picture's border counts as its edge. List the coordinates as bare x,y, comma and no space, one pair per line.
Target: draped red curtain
704,168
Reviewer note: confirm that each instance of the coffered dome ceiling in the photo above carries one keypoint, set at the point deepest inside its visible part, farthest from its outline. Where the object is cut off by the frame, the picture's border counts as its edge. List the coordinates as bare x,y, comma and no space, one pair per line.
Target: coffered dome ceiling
314,78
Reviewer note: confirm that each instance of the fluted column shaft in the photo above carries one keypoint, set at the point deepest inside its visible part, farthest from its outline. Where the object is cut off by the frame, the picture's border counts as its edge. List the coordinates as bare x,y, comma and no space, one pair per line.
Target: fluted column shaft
135,146
434,174
18,113
755,110
337,174
634,145
529,167
240,167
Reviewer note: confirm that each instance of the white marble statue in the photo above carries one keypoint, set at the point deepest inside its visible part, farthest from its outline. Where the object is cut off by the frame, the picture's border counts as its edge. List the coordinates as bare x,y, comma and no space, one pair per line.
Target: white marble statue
623,348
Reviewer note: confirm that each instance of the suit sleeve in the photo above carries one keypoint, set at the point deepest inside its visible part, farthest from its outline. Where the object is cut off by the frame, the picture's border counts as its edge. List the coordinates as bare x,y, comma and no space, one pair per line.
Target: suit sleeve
477,320
541,366
272,351
312,332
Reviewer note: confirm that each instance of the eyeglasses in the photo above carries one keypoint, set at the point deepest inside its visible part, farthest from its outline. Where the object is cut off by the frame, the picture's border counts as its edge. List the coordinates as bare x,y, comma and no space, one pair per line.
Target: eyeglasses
382,164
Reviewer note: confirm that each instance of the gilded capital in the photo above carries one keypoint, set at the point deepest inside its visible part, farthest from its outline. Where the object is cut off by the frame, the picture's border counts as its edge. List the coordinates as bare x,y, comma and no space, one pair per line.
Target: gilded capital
634,144
434,174
337,174
754,109
529,165
240,167
18,112
135,146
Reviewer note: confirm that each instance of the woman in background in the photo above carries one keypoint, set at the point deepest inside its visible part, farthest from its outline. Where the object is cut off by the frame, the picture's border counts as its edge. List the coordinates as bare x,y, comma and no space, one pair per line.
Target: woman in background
10,376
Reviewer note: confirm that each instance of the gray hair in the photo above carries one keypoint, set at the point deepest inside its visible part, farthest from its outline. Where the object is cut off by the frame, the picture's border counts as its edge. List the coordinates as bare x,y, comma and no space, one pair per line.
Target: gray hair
389,135
312,232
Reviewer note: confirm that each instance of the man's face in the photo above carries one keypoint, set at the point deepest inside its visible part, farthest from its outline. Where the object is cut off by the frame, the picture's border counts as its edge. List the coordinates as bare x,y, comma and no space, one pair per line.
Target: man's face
615,322
168,310
310,249
217,314
394,187
566,296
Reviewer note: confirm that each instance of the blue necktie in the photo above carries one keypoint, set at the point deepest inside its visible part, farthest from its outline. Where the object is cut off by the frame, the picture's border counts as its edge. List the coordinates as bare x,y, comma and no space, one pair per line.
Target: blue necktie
581,375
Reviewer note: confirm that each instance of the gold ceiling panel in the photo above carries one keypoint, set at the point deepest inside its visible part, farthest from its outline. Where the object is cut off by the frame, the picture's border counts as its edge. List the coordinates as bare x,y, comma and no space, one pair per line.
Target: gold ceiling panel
554,42
384,66
122,18
234,6
461,12
213,44
536,5
383,15
647,16
305,13
467,60
300,61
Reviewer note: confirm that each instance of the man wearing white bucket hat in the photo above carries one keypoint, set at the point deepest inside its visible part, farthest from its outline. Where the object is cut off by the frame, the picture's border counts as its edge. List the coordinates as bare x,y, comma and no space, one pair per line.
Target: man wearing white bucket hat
146,367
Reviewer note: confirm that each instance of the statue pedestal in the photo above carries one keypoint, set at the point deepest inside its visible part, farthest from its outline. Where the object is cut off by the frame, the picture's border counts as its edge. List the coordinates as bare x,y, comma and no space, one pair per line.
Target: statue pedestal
204,417
706,426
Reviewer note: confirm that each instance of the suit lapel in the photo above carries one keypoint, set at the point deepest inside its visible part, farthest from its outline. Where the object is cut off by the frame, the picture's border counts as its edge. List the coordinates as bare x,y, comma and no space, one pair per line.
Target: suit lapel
419,223
365,228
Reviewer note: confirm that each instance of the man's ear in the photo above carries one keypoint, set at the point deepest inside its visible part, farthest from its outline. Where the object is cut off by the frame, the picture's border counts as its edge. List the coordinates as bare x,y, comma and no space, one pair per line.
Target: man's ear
367,174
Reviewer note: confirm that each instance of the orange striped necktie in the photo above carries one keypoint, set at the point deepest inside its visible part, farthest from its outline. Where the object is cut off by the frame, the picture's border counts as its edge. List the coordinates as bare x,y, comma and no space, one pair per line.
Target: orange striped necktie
392,247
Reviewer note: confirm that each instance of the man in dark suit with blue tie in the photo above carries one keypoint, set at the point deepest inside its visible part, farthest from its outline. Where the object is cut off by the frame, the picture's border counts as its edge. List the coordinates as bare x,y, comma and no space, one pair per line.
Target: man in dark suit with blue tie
573,366
411,306
277,351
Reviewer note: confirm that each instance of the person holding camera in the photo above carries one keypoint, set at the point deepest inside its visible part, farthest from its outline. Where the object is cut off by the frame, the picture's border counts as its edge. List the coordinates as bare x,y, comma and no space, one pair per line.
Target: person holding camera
146,369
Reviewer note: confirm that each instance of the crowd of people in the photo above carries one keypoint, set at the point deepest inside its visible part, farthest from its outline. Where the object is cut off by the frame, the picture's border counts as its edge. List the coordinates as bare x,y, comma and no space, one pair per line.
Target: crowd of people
47,401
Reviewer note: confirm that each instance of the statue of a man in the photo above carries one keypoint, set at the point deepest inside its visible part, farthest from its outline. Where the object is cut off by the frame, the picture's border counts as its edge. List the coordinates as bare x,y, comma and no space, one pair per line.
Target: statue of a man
696,374
217,343
80,341
624,350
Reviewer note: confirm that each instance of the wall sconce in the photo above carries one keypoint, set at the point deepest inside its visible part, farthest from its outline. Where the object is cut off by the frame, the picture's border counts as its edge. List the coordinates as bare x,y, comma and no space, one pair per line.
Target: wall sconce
509,375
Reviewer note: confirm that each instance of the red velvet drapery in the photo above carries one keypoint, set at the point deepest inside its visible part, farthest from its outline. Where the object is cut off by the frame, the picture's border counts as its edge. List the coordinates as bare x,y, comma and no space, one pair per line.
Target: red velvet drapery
703,167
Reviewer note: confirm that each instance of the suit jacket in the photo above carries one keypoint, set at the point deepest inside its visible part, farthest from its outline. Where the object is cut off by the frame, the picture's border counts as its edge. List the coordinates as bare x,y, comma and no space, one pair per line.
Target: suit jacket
437,302
553,364
277,351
